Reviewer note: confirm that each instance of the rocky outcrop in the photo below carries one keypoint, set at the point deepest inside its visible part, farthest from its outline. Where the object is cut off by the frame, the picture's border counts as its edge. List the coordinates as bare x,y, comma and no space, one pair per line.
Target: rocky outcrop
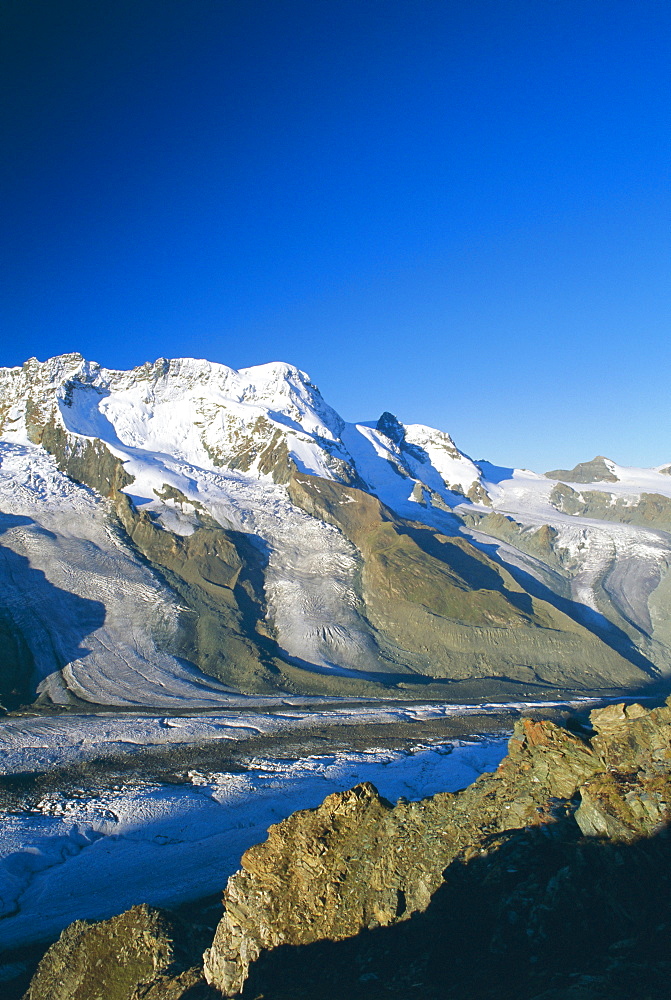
135,956
630,795
86,460
358,863
545,880
599,470
217,573
539,542
647,510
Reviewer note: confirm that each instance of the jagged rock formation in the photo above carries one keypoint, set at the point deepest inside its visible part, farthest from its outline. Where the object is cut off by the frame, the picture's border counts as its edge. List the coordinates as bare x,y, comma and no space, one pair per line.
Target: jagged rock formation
629,796
539,914
358,863
545,880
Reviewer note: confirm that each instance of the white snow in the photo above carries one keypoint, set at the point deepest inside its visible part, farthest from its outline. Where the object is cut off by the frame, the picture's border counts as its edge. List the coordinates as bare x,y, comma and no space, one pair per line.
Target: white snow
625,561
453,467
84,601
90,607
43,742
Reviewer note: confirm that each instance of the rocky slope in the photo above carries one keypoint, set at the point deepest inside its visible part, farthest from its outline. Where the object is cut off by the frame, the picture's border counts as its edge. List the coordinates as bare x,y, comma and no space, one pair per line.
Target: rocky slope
357,862
288,551
548,878
649,510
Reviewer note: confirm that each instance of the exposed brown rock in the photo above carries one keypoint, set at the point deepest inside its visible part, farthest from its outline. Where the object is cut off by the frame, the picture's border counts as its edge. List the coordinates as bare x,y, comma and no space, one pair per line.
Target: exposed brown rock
189,985
442,608
648,510
110,960
85,460
631,796
595,471
357,862
478,494
142,954
495,878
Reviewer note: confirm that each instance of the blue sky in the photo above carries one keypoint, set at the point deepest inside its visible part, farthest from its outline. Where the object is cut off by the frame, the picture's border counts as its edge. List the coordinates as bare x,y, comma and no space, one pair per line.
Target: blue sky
456,211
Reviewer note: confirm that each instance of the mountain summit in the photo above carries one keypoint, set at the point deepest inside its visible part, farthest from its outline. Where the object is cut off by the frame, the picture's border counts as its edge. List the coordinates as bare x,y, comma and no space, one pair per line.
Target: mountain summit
266,420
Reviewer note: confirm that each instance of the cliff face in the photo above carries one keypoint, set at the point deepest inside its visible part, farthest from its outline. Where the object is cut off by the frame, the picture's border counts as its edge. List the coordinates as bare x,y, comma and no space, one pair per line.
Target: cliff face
358,863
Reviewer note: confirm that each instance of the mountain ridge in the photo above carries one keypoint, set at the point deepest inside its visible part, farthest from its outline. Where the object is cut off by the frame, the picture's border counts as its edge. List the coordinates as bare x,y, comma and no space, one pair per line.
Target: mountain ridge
214,477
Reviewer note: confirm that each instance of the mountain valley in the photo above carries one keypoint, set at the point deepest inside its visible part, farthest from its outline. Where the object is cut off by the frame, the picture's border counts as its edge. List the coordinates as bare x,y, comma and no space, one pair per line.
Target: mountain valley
220,602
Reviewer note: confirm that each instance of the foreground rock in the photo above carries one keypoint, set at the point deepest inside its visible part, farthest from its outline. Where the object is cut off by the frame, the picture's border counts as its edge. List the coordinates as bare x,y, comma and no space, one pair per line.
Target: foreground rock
139,955
358,863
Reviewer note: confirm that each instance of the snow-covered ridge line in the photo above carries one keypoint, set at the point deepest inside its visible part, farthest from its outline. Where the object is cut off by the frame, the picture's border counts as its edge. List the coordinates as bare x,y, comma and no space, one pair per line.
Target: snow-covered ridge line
255,419
251,420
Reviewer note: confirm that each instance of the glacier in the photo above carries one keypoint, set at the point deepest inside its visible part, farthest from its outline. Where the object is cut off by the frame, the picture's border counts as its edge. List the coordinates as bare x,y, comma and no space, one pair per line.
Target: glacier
197,444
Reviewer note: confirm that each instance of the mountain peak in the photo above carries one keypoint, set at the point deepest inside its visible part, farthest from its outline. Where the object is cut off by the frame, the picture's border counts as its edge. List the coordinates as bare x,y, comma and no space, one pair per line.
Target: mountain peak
391,427
264,420
599,470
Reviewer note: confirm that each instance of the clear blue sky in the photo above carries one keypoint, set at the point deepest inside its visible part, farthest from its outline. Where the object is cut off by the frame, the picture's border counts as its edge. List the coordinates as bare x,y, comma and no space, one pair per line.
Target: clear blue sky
457,210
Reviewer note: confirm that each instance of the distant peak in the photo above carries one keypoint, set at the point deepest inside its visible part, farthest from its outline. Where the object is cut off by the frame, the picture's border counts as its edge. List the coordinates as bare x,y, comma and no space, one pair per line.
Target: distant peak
391,427
58,359
276,370
599,470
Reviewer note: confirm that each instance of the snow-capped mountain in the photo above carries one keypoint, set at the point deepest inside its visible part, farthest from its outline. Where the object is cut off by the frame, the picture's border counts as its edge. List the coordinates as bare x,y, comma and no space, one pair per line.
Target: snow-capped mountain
261,421
287,550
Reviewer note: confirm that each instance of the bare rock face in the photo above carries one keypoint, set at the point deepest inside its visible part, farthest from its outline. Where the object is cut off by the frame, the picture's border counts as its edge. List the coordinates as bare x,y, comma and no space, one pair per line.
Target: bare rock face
357,862
142,954
327,867
631,796
110,960
648,510
187,985
443,607
598,470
